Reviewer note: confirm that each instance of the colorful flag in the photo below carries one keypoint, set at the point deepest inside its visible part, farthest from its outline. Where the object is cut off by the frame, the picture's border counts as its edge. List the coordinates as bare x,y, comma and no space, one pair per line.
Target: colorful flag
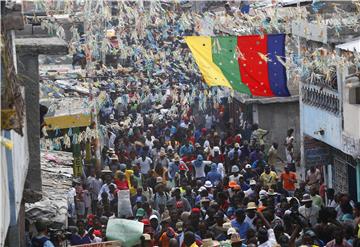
247,64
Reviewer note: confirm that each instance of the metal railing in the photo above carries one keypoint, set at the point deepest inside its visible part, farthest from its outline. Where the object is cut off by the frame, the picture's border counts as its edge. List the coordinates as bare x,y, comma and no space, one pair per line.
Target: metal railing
321,98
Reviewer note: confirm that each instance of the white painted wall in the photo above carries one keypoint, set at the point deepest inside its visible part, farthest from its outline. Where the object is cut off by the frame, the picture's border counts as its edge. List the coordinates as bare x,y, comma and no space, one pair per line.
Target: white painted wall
20,164
315,119
4,198
351,117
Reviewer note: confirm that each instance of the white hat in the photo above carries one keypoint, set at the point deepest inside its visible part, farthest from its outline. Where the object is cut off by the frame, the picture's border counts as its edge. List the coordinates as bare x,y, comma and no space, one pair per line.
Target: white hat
237,145
235,169
208,184
262,193
216,149
248,166
252,182
201,188
231,231
153,217
147,237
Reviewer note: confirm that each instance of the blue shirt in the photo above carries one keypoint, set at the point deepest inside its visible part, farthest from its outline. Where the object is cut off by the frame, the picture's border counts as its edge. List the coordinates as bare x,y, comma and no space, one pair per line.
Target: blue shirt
184,150
244,186
76,239
242,228
213,177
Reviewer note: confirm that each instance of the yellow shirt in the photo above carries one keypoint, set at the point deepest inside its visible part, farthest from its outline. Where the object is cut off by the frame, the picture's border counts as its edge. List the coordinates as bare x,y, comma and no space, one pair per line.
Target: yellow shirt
194,245
268,179
128,174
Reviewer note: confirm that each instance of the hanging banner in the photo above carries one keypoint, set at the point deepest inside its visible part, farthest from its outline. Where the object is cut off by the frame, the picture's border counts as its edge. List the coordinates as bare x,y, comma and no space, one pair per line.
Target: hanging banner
77,163
128,232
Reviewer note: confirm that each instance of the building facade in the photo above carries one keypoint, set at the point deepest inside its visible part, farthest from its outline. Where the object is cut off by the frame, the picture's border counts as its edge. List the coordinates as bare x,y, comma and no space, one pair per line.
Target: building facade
329,107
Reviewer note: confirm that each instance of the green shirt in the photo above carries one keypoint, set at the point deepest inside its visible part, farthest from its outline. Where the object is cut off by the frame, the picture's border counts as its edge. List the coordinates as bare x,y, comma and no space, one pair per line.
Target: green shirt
317,201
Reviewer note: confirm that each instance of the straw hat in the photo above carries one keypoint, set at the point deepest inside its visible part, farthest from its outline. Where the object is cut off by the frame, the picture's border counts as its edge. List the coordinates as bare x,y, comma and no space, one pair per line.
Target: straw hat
106,170
251,206
306,198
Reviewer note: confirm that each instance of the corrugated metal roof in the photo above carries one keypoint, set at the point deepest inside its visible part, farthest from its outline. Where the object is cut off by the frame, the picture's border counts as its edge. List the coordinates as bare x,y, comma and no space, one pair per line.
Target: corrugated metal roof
350,46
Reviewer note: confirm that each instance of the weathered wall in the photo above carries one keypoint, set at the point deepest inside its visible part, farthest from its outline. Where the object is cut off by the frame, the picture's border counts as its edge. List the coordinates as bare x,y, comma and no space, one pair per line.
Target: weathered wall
278,118
29,72
316,119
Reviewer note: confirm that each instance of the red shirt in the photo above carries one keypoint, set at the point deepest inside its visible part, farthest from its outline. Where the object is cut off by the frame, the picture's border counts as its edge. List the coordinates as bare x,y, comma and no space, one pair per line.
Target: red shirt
121,185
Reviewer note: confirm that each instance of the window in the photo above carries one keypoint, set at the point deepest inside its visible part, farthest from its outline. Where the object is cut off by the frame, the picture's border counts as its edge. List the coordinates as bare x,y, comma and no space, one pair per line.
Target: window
354,95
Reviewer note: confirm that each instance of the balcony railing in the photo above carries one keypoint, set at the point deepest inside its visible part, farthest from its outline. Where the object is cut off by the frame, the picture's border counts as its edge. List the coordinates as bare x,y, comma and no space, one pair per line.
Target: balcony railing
320,98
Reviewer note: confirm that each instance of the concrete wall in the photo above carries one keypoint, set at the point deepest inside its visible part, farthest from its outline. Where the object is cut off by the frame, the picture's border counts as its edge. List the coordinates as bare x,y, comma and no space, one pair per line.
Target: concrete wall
14,167
316,119
29,73
278,118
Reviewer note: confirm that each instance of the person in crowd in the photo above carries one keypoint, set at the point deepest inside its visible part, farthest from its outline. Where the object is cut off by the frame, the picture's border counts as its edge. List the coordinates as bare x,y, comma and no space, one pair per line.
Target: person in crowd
288,180
313,177
41,239
273,156
268,178
309,211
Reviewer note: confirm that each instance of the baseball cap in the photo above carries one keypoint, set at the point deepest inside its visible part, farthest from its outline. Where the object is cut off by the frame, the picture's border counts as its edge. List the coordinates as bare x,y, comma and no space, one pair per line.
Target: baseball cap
195,210
146,222
140,212
252,182
153,217
201,188
247,166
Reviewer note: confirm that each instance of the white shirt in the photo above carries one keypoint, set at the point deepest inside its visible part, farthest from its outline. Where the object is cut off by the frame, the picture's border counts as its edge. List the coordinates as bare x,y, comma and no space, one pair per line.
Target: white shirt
149,143
311,214
144,165
96,240
233,178
111,141
200,171
271,240
248,192
105,188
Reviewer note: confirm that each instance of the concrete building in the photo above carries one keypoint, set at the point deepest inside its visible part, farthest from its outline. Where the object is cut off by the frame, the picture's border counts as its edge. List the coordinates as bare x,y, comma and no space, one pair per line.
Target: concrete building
329,107
20,149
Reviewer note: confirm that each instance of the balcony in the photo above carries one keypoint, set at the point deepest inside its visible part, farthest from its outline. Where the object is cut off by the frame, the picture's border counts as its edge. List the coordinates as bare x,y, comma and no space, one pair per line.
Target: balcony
321,98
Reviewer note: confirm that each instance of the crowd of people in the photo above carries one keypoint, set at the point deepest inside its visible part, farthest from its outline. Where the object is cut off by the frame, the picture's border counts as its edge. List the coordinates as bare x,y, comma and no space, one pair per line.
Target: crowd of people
191,174
192,183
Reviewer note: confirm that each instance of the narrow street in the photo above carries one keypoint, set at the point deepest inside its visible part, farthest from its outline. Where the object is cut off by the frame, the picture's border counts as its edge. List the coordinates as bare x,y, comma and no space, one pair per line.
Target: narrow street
180,123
